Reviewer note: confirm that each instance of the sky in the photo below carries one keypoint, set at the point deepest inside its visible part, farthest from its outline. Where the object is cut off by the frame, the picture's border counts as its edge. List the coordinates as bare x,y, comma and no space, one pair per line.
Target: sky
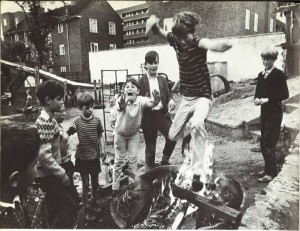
10,6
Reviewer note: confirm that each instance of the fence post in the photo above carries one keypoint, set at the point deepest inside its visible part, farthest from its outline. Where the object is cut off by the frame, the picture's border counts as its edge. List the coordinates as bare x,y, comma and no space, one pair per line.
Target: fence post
95,90
100,100
65,93
37,78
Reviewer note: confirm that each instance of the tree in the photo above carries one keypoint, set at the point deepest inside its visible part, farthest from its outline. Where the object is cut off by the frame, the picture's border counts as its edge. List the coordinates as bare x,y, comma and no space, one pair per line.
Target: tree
39,25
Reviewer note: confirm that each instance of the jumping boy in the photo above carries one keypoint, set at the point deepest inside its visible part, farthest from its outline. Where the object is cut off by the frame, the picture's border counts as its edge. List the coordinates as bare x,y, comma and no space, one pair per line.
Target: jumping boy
271,90
130,108
89,150
195,85
52,177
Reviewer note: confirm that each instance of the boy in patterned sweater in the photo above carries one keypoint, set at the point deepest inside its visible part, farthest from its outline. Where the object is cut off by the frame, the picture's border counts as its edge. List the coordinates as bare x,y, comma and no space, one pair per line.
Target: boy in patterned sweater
52,177
90,148
195,87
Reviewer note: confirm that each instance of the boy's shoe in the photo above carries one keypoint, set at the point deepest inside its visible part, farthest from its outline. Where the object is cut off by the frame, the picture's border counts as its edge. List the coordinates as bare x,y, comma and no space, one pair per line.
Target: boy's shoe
265,179
95,206
197,185
89,217
163,162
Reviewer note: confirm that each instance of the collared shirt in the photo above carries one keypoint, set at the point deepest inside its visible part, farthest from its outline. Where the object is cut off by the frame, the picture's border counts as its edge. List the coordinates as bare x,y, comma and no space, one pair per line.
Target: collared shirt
153,84
267,72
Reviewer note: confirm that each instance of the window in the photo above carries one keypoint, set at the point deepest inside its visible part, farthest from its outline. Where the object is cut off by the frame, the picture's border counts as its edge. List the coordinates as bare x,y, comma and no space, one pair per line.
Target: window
4,22
93,25
17,37
271,24
112,28
168,24
247,19
93,47
63,69
62,50
112,46
60,28
255,22
16,21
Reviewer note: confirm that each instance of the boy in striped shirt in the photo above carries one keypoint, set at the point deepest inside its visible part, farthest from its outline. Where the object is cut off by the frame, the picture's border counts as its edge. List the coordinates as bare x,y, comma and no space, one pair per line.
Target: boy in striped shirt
88,151
195,87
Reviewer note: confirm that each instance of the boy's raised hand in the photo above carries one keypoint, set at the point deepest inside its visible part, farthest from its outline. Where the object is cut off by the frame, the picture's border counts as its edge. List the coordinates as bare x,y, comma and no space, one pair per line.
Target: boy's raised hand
122,103
156,97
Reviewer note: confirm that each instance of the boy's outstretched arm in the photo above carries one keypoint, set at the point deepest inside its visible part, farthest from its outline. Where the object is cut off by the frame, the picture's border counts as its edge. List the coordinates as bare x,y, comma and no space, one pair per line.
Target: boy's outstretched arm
155,101
152,25
211,45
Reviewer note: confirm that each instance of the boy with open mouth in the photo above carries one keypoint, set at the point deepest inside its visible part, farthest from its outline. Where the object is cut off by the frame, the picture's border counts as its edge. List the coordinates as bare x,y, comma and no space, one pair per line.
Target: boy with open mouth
130,108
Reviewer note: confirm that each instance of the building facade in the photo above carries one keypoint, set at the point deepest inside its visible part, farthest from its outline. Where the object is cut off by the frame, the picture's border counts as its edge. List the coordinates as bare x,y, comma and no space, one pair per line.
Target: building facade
10,20
134,25
219,19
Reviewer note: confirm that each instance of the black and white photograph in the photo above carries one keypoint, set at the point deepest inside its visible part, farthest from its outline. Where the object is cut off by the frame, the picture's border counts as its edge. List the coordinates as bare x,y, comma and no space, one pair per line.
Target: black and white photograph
150,115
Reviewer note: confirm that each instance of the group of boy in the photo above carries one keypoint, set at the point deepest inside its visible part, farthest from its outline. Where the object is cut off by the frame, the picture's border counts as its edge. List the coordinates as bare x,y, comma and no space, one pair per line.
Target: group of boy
146,103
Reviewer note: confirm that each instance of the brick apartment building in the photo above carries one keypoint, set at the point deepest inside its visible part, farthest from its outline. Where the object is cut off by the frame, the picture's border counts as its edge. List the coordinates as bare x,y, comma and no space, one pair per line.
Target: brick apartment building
134,25
10,20
85,26
218,19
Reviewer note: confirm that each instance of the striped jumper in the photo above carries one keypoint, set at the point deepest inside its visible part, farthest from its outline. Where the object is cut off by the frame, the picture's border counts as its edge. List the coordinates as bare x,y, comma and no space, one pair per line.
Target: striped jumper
89,132
193,71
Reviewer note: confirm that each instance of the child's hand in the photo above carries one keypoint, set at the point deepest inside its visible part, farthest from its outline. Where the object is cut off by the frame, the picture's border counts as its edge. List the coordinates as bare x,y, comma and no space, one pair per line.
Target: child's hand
257,101
156,97
66,180
264,100
122,103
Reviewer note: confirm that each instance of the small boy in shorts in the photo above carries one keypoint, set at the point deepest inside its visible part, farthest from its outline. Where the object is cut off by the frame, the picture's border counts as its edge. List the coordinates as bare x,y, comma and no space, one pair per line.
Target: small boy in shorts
89,150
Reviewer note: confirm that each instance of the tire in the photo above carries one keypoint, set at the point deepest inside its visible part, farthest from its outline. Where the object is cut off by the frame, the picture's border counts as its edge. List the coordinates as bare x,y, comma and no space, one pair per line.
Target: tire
219,85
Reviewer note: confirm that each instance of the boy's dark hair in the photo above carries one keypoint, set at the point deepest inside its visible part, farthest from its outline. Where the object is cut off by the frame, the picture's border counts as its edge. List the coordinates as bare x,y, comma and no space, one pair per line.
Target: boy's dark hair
132,81
269,53
151,56
49,88
185,22
85,99
19,147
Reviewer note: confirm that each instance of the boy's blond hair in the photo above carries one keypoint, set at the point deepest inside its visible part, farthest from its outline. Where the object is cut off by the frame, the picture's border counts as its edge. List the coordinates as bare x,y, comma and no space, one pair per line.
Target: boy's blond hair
269,53
185,22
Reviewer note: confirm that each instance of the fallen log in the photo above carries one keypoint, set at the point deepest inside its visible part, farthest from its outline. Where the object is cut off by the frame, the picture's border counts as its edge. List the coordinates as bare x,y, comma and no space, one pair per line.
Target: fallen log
180,216
226,213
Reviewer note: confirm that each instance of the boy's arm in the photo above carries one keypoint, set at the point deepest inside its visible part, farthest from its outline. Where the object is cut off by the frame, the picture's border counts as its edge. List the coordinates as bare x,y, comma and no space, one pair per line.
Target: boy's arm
152,25
211,45
46,160
72,129
102,148
155,102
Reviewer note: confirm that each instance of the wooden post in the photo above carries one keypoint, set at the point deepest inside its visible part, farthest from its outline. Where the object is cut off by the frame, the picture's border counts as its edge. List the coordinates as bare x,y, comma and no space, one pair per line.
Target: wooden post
37,79
100,92
288,43
95,90
65,93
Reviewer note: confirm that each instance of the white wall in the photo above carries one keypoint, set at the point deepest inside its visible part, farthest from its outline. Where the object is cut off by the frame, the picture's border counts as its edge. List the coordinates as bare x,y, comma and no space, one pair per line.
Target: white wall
243,60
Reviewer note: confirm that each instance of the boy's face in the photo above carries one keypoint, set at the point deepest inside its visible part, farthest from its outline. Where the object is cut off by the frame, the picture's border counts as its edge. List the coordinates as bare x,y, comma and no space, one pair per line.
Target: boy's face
268,62
60,116
131,91
87,111
55,104
152,67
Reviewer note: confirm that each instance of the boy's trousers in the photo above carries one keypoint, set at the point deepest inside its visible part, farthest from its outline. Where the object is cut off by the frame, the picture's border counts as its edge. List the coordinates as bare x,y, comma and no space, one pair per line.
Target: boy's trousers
126,148
193,110
270,118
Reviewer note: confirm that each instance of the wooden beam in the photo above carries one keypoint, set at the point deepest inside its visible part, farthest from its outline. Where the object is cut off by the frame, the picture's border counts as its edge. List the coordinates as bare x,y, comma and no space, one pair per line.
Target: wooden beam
227,213
287,8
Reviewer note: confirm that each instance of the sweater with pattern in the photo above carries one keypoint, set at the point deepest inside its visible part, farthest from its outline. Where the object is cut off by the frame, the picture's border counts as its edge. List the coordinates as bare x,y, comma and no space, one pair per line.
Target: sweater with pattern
49,155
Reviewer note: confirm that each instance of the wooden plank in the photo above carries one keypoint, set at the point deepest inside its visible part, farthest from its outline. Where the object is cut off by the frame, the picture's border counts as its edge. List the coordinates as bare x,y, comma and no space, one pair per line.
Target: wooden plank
228,214
286,8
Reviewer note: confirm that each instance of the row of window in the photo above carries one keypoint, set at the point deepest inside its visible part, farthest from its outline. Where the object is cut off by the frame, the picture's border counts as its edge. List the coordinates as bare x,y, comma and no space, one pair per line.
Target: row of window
136,40
255,23
93,26
137,31
93,47
135,22
138,12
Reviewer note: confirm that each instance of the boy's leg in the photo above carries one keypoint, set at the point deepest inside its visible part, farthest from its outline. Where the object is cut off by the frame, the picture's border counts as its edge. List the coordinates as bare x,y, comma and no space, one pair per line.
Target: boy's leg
120,150
182,116
198,133
94,172
133,145
164,123
150,137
